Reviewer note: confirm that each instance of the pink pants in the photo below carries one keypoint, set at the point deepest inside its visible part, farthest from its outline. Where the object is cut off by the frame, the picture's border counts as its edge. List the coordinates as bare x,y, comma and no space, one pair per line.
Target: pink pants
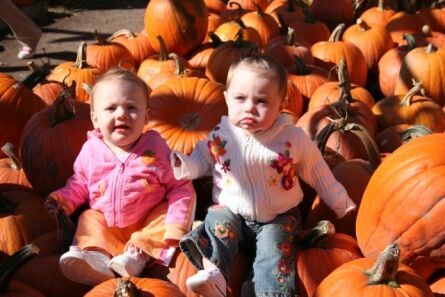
24,29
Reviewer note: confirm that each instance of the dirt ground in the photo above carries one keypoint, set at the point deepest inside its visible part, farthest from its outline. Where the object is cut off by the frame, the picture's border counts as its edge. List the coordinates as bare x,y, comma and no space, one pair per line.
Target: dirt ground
67,23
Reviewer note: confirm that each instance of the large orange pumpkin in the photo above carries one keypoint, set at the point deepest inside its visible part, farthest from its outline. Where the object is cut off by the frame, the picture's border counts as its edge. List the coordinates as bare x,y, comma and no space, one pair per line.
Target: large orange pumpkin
182,24
380,278
185,109
403,203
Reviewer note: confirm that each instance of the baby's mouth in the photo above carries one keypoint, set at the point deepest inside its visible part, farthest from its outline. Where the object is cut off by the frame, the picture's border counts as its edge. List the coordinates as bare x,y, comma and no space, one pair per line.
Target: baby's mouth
121,127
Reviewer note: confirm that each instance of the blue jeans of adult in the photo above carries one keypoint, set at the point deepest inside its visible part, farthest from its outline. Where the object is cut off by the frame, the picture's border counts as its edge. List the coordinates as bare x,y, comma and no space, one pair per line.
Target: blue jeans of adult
223,232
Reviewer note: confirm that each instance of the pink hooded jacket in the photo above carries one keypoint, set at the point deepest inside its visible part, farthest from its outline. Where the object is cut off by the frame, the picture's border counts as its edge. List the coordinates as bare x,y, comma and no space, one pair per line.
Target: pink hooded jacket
126,192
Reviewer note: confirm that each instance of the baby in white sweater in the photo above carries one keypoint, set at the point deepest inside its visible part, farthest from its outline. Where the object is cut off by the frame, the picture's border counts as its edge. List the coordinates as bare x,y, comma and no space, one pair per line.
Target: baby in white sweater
256,156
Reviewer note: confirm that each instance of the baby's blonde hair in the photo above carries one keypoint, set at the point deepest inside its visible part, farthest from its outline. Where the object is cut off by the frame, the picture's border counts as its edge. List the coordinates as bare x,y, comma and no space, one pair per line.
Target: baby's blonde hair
266,66
120,73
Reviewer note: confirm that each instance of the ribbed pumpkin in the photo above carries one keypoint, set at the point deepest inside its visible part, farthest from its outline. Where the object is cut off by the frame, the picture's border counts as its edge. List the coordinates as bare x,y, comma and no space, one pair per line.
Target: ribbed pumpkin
198,58
184,110
322,244
182,24
263,23
372,40
105,54
18,103
412,109
56,135
403,204
230,30
427,65
327,54
378,15
22,219
135,286
310,29
383,277
404,22
80,71
288,10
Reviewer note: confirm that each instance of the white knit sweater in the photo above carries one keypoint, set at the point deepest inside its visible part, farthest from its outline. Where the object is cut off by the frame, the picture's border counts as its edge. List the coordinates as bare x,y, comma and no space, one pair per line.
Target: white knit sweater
256,176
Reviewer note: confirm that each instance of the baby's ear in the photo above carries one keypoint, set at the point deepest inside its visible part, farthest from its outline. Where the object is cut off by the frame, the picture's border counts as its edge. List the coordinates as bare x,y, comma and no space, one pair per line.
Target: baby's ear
94,119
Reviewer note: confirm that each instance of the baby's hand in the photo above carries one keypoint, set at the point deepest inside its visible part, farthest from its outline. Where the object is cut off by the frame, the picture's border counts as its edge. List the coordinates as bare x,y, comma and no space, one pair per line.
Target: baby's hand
178,161
51,206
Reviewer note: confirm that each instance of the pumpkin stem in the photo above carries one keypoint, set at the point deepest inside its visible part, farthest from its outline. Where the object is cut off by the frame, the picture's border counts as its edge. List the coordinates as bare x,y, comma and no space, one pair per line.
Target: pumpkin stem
410,41
14,262
163,51
308,16
180,67
259,11
363,26
406,101
415,131
81,58
337,33
6,206
240,23
123,32
37,75
64,106
290,36
284,28
10,150
300,66
190,121
381,5
384,270
426,30
238,7
431,48
344,82
125,288
215,40
308,238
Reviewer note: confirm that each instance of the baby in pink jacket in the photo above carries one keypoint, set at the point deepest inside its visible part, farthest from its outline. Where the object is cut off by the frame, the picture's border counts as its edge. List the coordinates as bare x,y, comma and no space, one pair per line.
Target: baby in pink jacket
138,210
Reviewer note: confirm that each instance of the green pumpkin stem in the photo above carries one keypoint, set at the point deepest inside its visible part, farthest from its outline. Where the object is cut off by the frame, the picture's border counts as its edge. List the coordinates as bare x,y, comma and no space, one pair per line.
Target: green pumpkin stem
310,237
385,269
337,33
415,131
407,100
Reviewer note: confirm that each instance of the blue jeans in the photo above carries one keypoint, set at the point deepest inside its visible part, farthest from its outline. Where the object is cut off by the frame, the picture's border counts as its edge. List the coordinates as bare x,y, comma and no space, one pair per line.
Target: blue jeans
220,236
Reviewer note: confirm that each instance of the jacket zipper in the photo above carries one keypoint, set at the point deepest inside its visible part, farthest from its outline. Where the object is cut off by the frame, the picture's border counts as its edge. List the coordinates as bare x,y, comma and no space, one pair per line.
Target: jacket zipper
117,192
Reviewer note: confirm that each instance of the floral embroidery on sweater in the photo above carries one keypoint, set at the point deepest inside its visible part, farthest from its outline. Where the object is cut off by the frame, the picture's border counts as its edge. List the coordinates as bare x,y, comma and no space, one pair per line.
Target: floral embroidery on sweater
217,150
284,166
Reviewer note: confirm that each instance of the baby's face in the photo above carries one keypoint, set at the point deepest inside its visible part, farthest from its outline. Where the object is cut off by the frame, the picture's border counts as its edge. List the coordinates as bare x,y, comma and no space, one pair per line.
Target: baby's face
120,113
253,100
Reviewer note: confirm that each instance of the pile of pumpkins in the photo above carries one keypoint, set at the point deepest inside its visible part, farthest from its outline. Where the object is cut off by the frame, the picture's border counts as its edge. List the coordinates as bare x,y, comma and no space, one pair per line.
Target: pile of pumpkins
366,83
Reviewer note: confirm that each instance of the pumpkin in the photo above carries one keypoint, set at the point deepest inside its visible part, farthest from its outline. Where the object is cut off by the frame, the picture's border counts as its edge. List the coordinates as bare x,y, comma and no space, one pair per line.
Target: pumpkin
230,30
321,244
198,59
404,22
214,22
105,54
370,277
22,219
18,104
378,15
55,134
80,71
11,170
182,24
48,90
137,44
310,29
263,23
403,204
327,54
224,55
295,103
409,109
390,64
288,10
342,144
185,109
427,65
135,286
307,78
434,17
286,48
372,40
